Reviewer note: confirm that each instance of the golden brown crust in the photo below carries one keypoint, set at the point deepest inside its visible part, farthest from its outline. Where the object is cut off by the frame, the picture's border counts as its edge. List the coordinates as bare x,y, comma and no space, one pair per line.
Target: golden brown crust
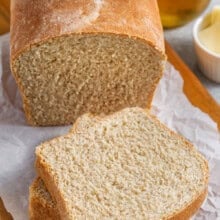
40,208
191,209
34,21
46,173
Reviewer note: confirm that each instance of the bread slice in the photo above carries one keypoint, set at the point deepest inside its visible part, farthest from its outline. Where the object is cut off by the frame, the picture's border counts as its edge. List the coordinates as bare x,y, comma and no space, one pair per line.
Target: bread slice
41,204
75,57
126,166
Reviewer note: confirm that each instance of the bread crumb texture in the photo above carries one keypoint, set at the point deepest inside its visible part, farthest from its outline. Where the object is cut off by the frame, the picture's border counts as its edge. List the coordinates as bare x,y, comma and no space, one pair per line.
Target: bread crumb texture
65,77
126,166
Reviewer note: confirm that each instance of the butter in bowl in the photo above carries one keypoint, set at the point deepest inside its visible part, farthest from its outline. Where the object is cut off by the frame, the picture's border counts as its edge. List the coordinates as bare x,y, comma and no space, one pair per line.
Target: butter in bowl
206,34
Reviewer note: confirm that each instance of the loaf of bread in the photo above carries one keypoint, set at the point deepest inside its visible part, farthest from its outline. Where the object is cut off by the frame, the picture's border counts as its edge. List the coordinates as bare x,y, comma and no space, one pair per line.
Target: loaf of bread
72,57
125,166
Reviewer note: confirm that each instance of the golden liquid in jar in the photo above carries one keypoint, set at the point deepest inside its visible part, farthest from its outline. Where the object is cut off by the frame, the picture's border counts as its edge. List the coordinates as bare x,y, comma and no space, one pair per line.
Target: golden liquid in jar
4,16
177,13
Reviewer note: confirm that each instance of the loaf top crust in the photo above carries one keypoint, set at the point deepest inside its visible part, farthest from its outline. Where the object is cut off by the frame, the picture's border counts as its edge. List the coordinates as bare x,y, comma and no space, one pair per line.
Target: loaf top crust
35,21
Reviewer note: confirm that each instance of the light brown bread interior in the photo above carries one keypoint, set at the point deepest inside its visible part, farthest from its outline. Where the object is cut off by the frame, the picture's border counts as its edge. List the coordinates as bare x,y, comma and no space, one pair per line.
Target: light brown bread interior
64,77
127,165
41,204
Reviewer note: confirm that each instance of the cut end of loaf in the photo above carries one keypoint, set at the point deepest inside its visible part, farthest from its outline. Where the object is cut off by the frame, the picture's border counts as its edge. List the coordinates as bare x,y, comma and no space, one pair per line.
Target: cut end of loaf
65,77
127,165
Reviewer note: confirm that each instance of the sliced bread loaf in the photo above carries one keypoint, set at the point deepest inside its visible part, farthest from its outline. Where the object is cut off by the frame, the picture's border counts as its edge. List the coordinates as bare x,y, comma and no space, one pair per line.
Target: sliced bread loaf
126,166
73,57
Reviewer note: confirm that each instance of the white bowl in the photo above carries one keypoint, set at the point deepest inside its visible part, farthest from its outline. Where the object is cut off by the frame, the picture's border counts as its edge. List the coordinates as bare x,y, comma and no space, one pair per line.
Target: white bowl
209,62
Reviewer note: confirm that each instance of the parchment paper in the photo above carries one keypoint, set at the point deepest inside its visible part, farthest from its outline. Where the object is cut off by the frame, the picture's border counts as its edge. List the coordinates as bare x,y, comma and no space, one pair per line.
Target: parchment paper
18,140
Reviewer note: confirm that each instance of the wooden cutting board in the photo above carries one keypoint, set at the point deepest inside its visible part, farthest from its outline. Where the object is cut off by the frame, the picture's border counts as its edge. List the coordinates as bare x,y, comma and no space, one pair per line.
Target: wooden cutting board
193,89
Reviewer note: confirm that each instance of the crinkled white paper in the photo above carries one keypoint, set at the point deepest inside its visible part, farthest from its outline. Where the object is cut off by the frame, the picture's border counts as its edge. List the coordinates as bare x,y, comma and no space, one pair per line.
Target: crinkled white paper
18,140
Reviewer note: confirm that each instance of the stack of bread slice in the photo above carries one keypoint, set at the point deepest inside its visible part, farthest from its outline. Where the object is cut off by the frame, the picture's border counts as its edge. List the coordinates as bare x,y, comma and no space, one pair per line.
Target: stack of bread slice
123,166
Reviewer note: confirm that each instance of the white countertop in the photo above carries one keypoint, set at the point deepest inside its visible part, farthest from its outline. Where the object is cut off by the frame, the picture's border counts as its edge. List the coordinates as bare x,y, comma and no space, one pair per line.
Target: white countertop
182,42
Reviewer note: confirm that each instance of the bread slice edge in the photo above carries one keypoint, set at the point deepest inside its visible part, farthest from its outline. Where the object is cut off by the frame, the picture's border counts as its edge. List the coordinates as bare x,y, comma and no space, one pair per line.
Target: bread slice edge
44,171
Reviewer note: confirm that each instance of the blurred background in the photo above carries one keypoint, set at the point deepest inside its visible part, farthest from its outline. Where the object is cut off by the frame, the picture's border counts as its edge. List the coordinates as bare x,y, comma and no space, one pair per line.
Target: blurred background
181,40
181,12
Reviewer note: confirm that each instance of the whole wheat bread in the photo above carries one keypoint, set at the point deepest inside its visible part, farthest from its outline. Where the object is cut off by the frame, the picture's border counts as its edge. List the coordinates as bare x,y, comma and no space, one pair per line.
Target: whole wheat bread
41,204
73,57
127,165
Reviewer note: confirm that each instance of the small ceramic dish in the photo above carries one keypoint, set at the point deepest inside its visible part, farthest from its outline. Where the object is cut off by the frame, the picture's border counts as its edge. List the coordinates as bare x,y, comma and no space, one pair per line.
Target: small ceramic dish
209,62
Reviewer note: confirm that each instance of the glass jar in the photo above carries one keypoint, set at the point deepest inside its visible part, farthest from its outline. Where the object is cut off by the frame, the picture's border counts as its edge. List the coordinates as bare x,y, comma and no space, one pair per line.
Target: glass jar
177,13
